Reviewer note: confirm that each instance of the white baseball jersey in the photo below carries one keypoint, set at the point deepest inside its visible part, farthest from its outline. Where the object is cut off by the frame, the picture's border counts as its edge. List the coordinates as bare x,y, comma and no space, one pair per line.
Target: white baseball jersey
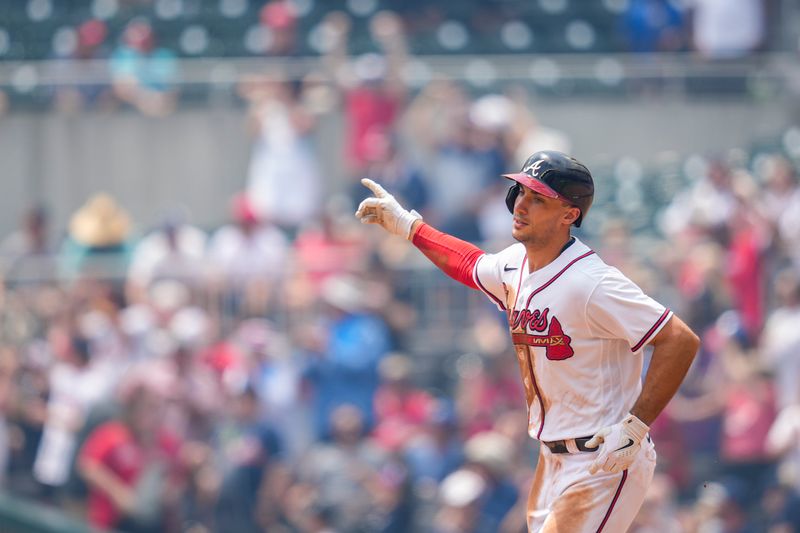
578,328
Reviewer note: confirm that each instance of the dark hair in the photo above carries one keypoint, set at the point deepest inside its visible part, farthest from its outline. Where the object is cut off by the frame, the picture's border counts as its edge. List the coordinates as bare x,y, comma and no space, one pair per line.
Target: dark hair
80,348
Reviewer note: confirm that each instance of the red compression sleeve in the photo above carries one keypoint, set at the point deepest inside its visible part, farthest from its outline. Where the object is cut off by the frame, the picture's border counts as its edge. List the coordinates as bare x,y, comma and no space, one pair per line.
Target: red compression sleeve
455,257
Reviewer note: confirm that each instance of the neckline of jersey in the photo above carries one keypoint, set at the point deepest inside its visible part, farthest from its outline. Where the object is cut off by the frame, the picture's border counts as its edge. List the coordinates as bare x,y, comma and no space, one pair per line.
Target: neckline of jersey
570,251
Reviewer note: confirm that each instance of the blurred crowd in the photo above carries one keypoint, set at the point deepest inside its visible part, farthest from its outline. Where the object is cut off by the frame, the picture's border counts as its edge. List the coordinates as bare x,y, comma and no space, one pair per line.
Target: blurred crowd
284,372
268,375
125,54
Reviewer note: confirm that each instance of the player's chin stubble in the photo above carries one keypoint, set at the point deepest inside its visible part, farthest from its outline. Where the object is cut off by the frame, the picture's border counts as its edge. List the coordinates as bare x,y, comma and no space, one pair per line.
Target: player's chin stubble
523,235
530,237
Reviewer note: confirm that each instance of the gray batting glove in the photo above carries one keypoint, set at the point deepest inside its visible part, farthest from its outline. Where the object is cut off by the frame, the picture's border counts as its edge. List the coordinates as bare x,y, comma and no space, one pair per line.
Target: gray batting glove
384,210
619,445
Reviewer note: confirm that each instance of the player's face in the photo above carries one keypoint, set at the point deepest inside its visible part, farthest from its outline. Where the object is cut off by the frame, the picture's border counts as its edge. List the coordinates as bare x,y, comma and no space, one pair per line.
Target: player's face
537,218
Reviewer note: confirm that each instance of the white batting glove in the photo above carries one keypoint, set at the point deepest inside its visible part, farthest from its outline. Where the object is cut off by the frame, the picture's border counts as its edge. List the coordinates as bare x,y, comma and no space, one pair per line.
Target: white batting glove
619,445
386,211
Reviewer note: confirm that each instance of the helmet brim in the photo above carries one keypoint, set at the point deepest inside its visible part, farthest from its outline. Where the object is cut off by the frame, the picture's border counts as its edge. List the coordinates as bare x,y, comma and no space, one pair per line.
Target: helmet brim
532,183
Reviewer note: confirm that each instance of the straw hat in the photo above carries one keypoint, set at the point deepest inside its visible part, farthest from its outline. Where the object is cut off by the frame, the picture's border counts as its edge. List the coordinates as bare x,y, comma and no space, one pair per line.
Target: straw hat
100,222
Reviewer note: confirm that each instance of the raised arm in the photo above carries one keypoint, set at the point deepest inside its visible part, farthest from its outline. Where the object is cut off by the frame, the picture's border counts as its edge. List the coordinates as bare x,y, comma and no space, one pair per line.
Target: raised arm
454,257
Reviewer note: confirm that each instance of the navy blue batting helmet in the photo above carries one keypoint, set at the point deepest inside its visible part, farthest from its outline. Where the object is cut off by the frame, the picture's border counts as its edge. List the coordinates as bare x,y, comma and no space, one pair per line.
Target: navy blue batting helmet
554,175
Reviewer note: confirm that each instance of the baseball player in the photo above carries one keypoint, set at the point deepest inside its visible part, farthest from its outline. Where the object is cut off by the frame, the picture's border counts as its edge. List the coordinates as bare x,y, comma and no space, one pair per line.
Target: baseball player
579,328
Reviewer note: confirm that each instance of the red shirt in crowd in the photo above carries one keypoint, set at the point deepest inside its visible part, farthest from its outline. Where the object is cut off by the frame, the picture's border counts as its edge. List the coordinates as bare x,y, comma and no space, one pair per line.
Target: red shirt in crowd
749,413
744,278
368,110
113,445
399,415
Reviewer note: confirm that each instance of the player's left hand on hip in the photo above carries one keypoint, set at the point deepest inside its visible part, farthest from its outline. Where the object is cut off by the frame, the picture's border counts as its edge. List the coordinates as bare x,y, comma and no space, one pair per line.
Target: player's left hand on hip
384,210
619,444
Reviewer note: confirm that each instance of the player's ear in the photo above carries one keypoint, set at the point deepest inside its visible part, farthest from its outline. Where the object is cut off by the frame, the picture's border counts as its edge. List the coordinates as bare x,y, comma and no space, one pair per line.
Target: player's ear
571,215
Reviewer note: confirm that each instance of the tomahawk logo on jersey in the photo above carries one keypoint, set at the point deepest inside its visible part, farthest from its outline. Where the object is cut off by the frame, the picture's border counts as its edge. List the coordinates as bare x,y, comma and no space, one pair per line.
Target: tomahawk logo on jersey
578,327
556,343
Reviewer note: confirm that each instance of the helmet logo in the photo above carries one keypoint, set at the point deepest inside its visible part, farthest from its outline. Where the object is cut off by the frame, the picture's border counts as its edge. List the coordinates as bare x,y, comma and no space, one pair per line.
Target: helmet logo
534,168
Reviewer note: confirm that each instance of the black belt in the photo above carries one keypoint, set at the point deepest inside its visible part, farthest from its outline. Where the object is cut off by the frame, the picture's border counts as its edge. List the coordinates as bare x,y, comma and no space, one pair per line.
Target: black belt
560,446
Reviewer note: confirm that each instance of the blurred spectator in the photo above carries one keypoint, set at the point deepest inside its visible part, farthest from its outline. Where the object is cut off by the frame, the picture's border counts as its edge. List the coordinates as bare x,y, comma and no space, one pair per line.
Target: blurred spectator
744,394
248,454
749,412
142,74
722,506
667,431
783,441
387,163
248,259
460,496
513,426
435,114
780,507
701,283
464,158
8,374
333,246
490,387
698,408
748,240
276,374
659,513
90,45
374,91
617,245
193,389
526,135
280,19
27,417
437,450
76,385
400,408
26,254
347,370
173,252
131,467
782,500
708,205
780,205
30,239
727,29
354,478
478,497
780,340
780,192
283,181
489,454
654,26
98,241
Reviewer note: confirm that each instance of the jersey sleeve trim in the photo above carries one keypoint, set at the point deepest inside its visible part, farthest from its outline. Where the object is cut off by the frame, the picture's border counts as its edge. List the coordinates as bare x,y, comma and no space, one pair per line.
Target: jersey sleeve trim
483,289
662,320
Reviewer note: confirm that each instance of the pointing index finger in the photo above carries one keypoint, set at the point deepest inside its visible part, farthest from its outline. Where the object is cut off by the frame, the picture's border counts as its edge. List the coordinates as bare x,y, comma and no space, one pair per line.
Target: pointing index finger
376,189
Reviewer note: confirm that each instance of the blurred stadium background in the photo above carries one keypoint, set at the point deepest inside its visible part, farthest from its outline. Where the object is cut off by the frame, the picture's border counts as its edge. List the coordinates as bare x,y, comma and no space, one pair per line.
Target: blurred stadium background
188,304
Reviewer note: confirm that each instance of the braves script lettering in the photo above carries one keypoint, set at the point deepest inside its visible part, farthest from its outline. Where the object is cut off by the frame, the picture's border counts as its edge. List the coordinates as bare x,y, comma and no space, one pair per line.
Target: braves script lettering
556,342
530,321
